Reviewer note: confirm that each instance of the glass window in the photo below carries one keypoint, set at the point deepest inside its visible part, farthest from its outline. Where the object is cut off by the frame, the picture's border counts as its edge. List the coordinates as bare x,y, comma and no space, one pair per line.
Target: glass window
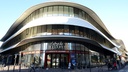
34,15
32,31
44,46
31,17
73,46
45,12
37,14
54,29
39,29
85,32
81,29
55,10
71,12
83,15
40,12
49,29
60,29
61,10
27,31
44,30
76,12
36,46
77,31
66,30
66,46
50,11
35,30
49,46
72,30
42,57
37,59
78,60
78,47
86,49
82,47
80,13
66,11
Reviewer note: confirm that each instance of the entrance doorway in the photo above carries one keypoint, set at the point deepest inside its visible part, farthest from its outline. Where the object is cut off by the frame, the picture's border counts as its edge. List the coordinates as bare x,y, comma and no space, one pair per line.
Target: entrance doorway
57,60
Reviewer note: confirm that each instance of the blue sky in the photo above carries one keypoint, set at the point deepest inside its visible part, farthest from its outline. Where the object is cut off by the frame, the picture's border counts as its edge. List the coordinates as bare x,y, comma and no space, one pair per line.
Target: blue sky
113,14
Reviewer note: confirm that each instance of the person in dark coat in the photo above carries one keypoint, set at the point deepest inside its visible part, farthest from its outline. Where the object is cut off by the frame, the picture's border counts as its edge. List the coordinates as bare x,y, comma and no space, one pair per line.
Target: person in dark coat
109,66
4,59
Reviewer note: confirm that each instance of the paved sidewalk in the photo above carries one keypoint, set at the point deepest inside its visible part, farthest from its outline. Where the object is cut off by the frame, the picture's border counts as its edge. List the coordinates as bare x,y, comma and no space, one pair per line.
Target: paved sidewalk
25,69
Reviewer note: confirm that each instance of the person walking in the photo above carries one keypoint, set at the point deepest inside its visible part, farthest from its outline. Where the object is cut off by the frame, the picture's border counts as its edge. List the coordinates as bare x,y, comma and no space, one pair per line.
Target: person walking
109,66
115,65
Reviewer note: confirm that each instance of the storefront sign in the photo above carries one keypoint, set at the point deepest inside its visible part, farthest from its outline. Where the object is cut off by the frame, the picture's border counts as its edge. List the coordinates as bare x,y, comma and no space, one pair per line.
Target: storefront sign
57,45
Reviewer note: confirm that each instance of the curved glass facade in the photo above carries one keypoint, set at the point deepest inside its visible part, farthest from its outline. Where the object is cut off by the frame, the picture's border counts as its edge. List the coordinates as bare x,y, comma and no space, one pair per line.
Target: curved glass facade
67,30
57,50
58,10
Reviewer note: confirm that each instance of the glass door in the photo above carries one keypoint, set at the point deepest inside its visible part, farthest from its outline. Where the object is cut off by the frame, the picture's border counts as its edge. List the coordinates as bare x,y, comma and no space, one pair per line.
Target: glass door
57,60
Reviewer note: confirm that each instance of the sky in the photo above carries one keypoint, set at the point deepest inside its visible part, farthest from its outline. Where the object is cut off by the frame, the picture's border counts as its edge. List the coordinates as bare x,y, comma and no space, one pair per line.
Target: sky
113,14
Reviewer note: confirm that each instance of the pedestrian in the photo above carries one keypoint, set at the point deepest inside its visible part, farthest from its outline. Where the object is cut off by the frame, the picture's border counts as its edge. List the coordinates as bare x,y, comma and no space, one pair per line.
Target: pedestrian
109,65
115,65
4,61
69,65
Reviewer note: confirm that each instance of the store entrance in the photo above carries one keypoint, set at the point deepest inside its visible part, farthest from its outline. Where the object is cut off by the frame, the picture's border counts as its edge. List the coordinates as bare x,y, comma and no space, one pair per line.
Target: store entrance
57,60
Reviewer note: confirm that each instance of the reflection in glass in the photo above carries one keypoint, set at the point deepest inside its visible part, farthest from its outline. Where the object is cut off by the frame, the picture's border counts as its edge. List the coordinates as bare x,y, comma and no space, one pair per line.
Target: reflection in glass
66,30
66,11
49,29
55,10
60,29
50,11
71,12
45,12
61,11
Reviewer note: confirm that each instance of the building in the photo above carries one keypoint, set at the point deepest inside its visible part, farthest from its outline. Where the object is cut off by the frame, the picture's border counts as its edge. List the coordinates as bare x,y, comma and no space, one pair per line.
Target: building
122,50
53,34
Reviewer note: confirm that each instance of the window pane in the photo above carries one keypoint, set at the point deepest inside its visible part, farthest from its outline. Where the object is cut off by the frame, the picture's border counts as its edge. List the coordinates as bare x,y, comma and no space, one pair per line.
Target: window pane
83,15
32,30
49,46
49,30
39,29
49,11
66,30
78,47
71,12
81,29
34,15
82,47
60,29
37,14
60,10
55,10
36,46
77,31
66,46
45,12
43,30
80,13
35,30
54,29
41,12
76,12
73,46
66,11
72,30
